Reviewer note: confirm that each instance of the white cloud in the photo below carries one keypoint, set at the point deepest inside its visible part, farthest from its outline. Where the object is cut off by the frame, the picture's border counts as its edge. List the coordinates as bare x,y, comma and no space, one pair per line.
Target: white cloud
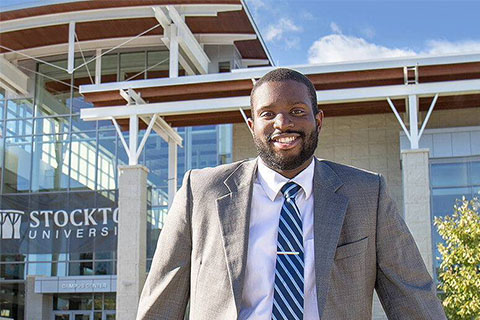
368,32
335,28
257,4
277,31
438,47
292,42
339,47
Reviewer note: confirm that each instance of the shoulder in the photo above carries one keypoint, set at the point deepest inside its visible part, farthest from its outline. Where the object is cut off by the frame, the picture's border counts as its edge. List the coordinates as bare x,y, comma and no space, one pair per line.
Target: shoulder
212,176
350,175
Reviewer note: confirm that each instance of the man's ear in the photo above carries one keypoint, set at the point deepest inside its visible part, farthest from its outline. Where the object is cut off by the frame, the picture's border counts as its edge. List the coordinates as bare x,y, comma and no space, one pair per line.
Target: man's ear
250,125
319,119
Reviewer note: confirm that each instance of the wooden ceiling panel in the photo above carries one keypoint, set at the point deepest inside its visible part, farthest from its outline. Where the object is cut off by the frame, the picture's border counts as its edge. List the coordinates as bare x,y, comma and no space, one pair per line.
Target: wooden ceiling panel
251,49
99,4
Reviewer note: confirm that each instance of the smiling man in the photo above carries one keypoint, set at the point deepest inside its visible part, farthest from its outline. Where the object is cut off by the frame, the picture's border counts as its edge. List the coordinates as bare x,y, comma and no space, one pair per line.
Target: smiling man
286,236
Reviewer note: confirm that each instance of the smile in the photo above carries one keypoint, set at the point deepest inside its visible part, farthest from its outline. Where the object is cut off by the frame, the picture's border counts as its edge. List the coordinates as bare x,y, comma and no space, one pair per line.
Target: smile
285,141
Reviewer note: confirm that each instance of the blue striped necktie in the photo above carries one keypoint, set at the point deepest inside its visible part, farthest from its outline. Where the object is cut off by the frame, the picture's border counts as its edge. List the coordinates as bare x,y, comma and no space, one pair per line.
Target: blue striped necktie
289,282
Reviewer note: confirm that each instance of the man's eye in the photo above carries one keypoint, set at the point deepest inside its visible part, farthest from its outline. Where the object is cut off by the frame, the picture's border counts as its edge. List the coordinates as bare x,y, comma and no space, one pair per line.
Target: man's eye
266,114
298,111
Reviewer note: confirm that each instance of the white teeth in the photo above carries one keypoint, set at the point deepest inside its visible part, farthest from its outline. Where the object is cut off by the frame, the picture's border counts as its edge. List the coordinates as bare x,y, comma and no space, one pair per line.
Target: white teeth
285,139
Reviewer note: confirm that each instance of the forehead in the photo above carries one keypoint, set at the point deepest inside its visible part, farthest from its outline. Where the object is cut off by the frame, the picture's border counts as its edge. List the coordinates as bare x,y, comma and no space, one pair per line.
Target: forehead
280,93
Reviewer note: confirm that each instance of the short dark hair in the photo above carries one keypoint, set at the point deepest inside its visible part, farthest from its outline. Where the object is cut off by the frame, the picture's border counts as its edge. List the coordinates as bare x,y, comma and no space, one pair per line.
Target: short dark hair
284,74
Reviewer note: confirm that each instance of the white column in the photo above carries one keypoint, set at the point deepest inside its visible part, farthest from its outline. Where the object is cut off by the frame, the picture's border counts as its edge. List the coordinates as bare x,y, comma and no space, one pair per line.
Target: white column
98,66
172,171
133,140
131,241
37,306
173,71
71,47
416,201
413,115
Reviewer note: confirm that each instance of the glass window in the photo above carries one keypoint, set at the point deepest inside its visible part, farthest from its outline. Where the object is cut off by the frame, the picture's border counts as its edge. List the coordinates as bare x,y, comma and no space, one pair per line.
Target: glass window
110,67
451,179
79,125
76,104
40,269
103,267
53,89
449,174
109,301
19,108
52,125
158,64
23,127
50,163
82,161
17,164
106,165
12,271
12,301
2,107
80,268
132,66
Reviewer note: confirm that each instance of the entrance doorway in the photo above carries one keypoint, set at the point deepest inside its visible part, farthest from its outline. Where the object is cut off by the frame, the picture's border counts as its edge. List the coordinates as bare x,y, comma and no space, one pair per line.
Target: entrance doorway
83,315
73,315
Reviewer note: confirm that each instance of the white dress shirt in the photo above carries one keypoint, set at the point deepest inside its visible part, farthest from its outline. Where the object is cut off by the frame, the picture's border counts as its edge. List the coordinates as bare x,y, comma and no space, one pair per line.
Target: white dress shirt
267,201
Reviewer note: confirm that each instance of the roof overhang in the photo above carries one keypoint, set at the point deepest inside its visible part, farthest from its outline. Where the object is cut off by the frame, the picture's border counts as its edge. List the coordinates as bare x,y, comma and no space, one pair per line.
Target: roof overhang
30,31
342,89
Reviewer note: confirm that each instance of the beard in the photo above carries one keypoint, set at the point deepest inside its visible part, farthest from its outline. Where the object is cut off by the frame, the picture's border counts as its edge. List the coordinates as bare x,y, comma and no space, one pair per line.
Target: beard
276,161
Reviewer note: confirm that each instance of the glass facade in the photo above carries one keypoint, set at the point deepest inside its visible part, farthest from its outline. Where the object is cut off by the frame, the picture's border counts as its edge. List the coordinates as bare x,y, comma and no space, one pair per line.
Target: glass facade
58,181
451,179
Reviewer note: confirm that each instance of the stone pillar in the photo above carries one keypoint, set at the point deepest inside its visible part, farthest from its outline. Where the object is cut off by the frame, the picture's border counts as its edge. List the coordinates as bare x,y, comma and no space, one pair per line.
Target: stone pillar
416,199
37,306
132,240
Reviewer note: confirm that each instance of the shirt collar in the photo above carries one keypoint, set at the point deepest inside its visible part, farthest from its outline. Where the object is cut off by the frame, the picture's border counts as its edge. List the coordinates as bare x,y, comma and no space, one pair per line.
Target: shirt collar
272,181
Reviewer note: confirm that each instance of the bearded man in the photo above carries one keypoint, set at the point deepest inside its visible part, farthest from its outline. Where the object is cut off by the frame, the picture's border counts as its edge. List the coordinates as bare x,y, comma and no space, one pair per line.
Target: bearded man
286,236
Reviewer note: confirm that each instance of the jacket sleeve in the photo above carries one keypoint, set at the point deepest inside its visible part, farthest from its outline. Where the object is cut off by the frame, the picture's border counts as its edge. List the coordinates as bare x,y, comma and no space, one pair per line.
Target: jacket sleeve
403,283
167,288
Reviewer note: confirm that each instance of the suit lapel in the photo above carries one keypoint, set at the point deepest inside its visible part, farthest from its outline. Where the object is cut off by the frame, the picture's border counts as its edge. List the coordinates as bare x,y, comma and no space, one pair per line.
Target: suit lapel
329,213
234,213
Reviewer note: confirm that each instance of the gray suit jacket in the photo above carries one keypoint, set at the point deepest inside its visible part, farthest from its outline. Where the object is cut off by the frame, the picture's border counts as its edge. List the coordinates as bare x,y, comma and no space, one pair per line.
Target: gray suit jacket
361,244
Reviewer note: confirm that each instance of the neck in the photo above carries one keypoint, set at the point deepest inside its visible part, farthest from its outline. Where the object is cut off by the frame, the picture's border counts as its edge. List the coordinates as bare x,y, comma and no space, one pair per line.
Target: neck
292,173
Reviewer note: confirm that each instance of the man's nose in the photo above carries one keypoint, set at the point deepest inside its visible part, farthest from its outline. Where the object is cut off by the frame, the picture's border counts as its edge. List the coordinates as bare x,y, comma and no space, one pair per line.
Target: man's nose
283,122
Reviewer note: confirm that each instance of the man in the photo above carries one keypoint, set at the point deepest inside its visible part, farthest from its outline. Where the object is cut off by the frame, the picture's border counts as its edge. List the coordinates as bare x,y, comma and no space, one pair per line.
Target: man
286,236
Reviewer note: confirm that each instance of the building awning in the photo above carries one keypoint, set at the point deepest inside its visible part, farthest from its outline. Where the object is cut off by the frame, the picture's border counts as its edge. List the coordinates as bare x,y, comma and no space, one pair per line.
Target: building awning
342,89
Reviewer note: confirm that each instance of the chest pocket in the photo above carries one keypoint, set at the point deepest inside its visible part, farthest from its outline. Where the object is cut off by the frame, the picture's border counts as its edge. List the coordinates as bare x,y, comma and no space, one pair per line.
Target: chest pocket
351,249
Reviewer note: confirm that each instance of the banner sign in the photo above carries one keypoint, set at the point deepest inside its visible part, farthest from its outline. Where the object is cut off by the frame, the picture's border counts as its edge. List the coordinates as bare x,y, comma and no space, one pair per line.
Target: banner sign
85,222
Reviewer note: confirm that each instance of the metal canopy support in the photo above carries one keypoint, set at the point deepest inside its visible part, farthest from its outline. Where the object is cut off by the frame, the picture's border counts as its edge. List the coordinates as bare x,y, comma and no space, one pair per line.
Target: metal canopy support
173,68
413,134
71,47
161,127
177,33
98,66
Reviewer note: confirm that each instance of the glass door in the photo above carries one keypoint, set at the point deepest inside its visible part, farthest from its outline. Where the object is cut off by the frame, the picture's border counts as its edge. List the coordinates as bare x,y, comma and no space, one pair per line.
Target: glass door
61,316
73,315
81,315
108,315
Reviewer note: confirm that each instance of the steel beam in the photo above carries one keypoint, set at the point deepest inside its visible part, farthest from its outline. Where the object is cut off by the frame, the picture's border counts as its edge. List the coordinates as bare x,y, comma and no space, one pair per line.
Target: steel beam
187,41
12,77
71,47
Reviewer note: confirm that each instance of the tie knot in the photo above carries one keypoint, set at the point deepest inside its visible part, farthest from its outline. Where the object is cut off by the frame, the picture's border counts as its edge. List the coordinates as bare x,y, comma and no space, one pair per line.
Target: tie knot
290,190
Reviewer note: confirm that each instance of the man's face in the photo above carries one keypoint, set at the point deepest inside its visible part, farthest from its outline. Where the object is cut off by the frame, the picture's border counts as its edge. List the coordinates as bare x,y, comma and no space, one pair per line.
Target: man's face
284,128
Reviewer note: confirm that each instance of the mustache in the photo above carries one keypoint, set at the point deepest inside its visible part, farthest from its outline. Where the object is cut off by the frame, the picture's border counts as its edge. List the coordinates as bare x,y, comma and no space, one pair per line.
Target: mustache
269,137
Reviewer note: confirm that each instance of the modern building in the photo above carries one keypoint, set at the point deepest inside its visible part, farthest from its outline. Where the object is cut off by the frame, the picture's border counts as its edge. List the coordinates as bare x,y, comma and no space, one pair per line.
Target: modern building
89,89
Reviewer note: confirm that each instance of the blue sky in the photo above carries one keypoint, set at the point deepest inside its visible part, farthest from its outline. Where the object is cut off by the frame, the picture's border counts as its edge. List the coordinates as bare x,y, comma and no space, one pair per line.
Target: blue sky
320,31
